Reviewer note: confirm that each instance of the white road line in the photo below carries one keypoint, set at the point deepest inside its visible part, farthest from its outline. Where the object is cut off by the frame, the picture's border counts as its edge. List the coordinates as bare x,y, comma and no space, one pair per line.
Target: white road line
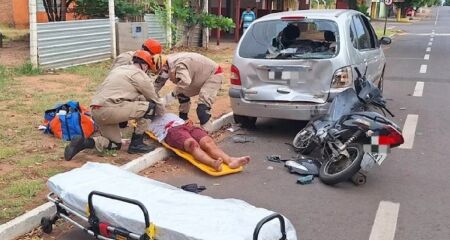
430,43
427,34
418,91
437,16
423,68
428,49
385,222
431,39
409,131
426,57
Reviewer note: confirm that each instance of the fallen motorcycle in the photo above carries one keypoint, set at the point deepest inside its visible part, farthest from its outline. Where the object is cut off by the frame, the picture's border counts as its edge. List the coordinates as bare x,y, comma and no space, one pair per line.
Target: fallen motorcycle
350,138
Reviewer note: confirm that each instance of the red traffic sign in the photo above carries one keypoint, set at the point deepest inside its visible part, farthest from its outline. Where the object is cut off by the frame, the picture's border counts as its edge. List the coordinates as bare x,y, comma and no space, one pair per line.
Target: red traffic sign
388,2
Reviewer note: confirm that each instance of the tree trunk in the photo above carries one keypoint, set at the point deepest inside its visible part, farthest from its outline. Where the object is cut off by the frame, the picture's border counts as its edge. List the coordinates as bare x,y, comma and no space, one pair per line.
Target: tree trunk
55,11
47,10
63,10
51,16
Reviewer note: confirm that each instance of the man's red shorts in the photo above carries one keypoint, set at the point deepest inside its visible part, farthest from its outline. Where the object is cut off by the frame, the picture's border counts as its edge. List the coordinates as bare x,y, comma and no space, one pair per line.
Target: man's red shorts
176,136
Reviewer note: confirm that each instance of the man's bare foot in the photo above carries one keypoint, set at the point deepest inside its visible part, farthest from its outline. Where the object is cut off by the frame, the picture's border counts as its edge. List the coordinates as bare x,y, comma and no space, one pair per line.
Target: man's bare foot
238,161
217,165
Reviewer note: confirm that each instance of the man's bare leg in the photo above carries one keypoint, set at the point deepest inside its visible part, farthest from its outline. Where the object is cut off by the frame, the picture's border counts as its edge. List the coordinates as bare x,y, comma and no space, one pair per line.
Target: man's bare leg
191,146
209,146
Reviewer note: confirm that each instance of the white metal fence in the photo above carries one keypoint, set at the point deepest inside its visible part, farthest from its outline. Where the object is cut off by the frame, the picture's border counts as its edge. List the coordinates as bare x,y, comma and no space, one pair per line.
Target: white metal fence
156,29
69,43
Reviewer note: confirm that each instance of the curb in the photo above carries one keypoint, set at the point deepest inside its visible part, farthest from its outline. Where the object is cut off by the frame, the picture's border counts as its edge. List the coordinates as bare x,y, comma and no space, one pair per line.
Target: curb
147,160
32,219
222,121
26,222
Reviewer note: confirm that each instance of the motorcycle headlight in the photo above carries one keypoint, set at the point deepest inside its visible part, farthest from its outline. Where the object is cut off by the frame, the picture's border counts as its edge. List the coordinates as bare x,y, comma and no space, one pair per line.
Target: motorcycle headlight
342,78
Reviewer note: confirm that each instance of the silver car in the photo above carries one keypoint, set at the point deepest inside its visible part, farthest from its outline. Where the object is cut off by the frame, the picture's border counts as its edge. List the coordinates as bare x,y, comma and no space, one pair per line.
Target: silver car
290,65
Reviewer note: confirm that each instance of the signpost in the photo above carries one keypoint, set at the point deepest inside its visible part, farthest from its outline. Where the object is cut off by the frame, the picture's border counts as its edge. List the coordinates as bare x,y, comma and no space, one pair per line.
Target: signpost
388,3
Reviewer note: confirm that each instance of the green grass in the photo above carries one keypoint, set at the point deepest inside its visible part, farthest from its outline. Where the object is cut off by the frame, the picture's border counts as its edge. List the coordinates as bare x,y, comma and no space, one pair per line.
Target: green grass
27,69
30,161
7,152
389,32
96,72
5,77
24,188
10,208
50,172
16,195
9,177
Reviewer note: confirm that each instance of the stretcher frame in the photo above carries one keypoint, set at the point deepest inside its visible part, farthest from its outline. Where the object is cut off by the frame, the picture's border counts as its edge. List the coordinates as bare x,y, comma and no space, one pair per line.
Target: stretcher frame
105,231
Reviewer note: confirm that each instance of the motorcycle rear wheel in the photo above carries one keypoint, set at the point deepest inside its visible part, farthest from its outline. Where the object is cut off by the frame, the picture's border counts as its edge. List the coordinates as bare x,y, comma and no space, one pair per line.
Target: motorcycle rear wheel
335,172
303,142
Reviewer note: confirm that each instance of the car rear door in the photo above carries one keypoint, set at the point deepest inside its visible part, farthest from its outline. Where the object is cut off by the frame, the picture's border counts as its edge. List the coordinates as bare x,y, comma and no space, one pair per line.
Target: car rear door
366,43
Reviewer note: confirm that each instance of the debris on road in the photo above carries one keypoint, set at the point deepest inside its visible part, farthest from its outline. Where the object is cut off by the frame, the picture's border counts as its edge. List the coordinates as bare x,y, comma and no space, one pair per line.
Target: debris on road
303,180
303,166
243,138
402,108
193,187
274,158
234,128
269,168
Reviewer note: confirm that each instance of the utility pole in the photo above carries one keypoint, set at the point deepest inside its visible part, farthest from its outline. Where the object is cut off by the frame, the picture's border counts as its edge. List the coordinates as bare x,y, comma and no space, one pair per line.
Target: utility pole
205,30
169,23
238,20
218,30
112,23
33,33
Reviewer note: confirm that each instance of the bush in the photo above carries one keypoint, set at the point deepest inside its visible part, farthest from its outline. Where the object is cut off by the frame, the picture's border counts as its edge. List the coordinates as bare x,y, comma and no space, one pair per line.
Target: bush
363,9
100,9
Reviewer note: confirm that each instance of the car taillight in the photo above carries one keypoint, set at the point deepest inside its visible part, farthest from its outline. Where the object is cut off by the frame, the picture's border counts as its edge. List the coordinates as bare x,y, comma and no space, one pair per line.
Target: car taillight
235,77
393,137
342,78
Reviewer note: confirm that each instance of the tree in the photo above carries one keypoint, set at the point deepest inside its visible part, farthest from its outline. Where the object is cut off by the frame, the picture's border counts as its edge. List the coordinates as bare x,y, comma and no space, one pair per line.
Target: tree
100,8
56,9
189,14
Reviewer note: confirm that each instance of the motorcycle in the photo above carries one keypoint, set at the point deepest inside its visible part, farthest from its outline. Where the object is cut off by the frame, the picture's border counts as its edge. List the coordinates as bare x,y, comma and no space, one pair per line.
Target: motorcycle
350,138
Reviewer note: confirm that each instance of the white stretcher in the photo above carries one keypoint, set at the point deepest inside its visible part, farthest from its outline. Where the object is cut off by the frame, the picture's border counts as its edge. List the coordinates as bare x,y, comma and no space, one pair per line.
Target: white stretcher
117,202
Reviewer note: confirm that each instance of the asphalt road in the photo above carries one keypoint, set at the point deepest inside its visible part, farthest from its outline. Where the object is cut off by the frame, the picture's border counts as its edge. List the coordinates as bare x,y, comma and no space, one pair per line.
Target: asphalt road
411,182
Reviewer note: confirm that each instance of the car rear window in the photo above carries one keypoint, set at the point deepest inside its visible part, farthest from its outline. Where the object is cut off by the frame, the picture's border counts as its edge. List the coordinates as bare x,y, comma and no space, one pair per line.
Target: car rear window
299,39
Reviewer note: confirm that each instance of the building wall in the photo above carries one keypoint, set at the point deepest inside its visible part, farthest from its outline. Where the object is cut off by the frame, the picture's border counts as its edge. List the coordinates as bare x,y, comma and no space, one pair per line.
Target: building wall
15,13
20,12
6,16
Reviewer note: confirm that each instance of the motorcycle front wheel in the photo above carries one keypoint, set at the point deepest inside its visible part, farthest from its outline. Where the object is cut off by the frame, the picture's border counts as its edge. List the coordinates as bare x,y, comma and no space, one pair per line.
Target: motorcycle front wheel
304,140
339,171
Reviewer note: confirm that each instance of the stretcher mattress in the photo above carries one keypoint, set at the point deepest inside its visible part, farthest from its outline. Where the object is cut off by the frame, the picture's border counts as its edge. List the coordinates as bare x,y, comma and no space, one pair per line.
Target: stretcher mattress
205,168
177,214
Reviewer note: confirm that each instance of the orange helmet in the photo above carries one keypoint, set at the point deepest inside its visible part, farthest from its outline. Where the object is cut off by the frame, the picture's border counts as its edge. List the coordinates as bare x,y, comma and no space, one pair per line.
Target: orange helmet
152,46
146,57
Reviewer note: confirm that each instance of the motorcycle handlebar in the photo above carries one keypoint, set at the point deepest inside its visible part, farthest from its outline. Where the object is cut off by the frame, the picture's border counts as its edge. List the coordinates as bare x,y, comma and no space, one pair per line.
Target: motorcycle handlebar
382,105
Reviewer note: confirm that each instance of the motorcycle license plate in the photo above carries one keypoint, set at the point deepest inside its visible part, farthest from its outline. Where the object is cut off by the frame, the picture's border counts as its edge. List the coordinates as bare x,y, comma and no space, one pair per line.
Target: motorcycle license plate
378,158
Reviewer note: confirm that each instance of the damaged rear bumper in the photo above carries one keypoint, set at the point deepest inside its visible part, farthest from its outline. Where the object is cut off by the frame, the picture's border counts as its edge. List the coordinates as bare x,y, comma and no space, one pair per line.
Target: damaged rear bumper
281,110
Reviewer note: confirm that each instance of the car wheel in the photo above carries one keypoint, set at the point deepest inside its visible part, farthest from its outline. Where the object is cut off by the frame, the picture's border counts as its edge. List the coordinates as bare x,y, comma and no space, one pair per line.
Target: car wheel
245,121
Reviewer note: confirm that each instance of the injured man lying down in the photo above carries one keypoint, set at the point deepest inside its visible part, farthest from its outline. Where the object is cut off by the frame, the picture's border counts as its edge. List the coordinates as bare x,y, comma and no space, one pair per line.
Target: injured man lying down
185,136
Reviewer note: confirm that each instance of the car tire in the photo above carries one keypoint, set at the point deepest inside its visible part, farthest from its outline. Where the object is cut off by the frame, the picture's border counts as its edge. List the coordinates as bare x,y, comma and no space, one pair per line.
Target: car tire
245,121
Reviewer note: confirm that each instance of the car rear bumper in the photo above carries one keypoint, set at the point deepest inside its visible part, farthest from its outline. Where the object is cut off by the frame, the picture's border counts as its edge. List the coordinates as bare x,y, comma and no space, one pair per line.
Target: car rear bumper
281,110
